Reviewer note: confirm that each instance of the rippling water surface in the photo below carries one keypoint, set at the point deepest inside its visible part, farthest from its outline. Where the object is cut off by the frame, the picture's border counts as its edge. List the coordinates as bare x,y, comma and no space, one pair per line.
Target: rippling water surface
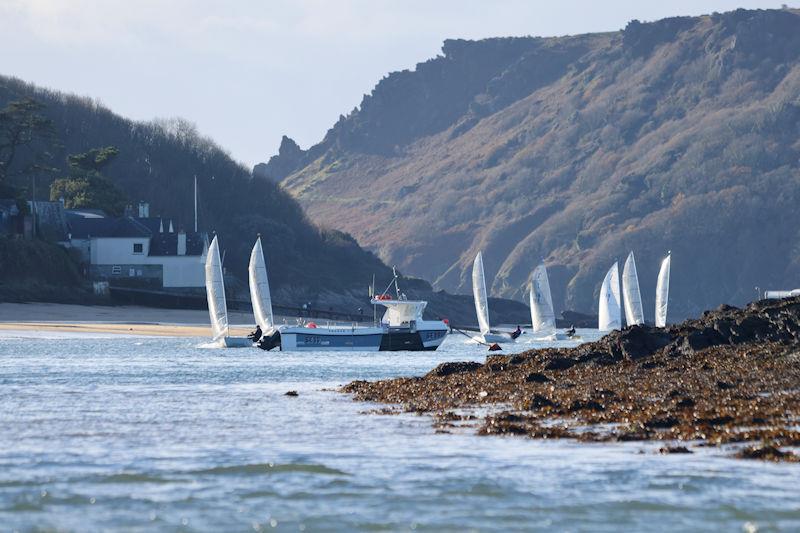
153,434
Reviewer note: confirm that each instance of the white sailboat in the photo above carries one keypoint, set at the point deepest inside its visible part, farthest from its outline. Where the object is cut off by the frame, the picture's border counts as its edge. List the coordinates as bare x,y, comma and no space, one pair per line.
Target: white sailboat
609,309
543,319
662,292
631,295
259,289
482,304
217,307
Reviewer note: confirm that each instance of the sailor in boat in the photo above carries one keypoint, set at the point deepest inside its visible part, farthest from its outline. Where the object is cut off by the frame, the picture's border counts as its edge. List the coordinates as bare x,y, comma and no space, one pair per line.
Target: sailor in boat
571,332
517,332
255,336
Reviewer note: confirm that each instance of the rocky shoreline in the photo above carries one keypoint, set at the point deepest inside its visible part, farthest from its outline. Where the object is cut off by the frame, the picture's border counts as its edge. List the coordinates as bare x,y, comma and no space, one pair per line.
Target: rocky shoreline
731,376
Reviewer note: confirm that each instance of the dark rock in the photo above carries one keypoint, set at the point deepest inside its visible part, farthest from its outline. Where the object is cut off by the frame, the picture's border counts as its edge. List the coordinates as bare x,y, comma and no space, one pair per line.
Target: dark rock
685,403
674,449
446,369
538,401
724,385
291,393
702,339
766,453
716,421
537,377
642,341
560,363
662,423
588,405
519,358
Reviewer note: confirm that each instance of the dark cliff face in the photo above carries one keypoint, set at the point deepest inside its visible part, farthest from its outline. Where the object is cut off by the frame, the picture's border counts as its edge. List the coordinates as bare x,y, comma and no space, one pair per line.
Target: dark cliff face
679,135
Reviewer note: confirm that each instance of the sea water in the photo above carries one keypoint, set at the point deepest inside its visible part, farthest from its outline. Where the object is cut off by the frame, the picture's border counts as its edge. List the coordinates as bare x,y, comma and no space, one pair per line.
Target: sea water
154,434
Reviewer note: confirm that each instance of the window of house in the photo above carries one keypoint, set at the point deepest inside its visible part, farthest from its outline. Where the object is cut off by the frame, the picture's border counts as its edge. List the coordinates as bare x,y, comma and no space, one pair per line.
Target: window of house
138,247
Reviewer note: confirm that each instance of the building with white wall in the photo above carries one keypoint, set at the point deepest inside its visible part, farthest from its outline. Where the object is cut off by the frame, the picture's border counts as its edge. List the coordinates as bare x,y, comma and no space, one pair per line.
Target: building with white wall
138,252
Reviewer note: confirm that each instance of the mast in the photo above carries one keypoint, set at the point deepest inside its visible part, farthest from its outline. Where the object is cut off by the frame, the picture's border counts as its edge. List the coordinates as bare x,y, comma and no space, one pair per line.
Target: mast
195,203
396,287
374,305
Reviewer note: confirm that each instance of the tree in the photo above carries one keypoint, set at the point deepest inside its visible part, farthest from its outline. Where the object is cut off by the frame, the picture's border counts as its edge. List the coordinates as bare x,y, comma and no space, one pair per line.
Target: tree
25,135
86,187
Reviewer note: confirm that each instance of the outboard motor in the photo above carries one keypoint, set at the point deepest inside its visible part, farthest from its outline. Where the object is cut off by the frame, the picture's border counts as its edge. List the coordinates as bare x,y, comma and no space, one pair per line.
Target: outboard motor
268,342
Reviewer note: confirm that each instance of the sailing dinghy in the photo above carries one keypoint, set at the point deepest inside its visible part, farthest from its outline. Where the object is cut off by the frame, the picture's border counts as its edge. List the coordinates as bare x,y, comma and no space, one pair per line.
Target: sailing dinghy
662,292
543,318
260,297
609,317
217,307
631,295
482,305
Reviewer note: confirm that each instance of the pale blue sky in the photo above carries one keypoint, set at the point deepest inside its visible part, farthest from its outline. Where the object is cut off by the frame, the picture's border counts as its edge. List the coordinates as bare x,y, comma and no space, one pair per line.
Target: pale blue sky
248,71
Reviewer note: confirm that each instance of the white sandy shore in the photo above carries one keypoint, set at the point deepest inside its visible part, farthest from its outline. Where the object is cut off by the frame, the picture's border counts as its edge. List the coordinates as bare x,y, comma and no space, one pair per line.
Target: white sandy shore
128,320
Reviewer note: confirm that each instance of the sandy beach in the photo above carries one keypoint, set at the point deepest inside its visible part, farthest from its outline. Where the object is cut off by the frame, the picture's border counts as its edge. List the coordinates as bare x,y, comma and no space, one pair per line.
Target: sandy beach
127,320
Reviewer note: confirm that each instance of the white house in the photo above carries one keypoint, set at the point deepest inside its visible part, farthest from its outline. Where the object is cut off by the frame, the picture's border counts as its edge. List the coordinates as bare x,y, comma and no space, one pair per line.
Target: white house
138,252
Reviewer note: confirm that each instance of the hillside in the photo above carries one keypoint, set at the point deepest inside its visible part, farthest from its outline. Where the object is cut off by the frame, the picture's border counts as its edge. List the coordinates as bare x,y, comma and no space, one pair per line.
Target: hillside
680,134
157,162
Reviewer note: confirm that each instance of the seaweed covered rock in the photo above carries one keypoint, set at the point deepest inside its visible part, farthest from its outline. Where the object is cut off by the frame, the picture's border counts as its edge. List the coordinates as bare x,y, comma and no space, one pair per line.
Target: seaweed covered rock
704,380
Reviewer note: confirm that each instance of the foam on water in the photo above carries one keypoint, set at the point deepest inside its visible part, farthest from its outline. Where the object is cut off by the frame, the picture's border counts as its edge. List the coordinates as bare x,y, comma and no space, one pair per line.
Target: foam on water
155,434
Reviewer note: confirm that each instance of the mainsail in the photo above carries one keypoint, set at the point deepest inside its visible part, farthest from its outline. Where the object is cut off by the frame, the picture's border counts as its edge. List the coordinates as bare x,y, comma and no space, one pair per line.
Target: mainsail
215,291
609,312
662,293
479,292
634,314
259,288
543,319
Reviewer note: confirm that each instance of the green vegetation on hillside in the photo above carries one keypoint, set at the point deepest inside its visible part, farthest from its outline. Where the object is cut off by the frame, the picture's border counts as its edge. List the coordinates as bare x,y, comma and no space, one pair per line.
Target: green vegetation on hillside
86,187
55,139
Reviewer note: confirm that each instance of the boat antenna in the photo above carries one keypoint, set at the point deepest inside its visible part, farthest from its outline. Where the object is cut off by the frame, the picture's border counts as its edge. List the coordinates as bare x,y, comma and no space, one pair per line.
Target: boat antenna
396,286
374,305
195,203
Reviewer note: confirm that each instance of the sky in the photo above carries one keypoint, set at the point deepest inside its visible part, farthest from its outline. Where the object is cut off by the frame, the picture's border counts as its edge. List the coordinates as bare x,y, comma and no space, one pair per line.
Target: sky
247,72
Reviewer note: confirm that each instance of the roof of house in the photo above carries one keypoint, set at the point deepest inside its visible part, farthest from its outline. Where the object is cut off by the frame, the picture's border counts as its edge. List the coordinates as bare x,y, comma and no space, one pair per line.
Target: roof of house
86,213
154,224
167,244
84,228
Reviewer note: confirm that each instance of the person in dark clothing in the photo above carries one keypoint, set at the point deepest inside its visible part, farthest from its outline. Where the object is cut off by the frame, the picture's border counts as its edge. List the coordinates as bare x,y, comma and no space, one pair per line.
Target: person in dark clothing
256,335
571,331
516,333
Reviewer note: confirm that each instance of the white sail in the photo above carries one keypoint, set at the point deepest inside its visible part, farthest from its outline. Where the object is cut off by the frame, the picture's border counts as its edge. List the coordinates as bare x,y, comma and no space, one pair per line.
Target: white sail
631,295
662,293
609,312
479,293
215,292
543,319
259,288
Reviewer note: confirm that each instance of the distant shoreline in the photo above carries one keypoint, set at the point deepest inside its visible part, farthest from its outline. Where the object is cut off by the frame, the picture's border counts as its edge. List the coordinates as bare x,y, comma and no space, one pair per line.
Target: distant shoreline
122,320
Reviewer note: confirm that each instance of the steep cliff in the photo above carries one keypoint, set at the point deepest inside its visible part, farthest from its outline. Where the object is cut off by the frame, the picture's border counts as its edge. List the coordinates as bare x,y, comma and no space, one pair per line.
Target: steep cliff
680,134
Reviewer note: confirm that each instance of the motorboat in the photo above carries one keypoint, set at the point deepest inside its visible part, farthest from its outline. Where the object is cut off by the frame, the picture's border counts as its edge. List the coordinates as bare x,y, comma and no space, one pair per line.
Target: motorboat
402,328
